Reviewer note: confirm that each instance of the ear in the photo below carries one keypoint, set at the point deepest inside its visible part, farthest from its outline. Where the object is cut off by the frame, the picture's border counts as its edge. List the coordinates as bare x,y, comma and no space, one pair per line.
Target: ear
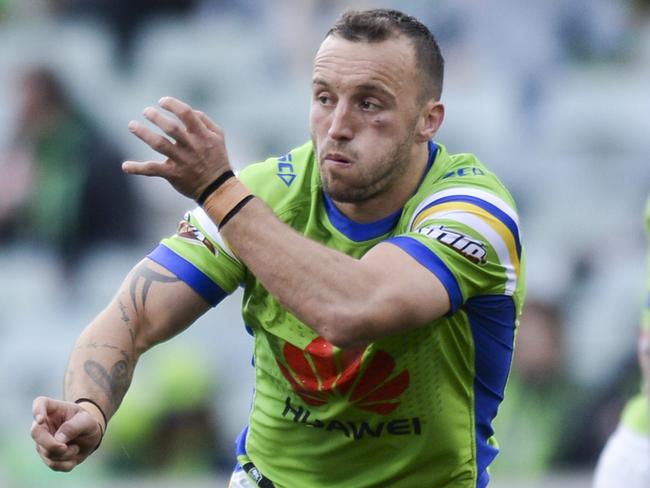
430,120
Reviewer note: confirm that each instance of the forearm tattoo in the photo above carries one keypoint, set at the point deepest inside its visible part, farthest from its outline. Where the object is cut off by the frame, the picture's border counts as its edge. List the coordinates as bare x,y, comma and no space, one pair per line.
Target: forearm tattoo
147,276
113,384
127,321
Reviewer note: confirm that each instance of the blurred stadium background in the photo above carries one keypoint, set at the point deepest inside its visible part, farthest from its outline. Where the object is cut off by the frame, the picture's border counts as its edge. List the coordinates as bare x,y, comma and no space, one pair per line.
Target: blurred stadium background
552,95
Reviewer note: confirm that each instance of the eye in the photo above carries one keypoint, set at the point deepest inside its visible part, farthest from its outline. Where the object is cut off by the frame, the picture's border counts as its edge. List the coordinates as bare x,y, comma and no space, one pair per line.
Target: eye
369,105
323,98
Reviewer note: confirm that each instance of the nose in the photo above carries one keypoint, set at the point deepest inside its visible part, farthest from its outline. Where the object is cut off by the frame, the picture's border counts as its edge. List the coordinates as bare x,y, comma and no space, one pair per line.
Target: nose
341,123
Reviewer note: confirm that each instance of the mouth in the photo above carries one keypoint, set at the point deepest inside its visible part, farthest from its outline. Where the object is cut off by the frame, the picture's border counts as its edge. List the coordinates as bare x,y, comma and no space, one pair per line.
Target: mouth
337,158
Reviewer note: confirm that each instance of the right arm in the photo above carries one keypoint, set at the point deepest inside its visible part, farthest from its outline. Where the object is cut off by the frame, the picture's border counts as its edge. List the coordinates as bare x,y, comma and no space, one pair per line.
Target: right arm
151,306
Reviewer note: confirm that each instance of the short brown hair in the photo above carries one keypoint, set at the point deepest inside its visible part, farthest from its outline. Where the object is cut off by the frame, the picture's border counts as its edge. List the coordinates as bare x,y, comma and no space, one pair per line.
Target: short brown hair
381,24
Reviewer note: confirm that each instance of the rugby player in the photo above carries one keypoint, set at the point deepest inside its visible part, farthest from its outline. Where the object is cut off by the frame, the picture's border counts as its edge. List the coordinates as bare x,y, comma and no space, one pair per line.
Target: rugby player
383,279
625,460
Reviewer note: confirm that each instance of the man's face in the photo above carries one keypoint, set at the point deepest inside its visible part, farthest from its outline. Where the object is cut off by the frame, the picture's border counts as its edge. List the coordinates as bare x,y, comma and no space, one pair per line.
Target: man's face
363,115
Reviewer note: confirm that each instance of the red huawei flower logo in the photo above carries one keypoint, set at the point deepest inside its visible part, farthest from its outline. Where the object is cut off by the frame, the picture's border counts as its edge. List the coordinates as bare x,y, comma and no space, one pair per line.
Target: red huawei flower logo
319,373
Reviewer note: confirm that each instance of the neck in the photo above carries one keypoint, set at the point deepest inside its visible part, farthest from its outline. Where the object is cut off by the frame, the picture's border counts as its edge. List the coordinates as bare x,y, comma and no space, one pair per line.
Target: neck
394,197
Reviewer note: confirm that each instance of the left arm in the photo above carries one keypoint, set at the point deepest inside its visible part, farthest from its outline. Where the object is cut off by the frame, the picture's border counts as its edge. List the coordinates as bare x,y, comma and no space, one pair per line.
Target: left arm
345,300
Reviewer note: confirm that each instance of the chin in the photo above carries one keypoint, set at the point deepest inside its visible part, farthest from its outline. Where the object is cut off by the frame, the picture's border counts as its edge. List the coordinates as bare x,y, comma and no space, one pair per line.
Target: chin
347,195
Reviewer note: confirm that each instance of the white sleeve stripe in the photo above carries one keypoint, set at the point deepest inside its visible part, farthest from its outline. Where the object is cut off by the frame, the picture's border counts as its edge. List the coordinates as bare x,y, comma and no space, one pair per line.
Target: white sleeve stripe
211,230
472,192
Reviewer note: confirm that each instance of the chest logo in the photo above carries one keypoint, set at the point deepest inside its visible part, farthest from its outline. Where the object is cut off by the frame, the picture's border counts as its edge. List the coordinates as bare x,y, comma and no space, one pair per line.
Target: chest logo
285,169
319,373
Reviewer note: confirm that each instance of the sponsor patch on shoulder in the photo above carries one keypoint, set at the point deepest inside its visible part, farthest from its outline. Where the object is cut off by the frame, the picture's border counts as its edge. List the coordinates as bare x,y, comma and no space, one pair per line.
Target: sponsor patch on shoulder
472,249
191,234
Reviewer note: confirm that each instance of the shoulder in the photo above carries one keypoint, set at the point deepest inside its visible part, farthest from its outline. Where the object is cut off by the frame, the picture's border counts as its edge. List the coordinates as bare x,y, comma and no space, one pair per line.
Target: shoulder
282,181
461,182
465,216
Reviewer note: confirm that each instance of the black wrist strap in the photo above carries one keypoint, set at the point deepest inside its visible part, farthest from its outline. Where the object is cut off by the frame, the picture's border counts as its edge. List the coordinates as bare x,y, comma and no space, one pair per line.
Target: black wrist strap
235,209
88,400
220,180
102,431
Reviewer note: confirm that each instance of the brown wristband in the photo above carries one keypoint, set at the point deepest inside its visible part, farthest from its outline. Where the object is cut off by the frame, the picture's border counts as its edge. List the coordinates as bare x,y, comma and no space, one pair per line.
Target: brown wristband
224,199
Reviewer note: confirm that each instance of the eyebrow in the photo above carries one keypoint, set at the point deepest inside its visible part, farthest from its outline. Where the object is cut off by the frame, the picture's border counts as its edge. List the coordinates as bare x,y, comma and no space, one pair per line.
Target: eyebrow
320,81
368,87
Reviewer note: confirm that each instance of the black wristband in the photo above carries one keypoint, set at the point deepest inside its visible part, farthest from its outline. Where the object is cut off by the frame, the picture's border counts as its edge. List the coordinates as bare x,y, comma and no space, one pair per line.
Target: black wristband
220,180
235,209
88,400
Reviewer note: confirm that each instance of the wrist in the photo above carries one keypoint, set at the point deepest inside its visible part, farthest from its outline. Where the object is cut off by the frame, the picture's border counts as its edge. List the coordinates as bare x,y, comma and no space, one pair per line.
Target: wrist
212,187
95,412
226,200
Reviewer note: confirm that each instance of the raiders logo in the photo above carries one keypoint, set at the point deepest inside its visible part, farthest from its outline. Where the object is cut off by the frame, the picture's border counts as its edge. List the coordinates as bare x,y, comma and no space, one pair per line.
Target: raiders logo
190,233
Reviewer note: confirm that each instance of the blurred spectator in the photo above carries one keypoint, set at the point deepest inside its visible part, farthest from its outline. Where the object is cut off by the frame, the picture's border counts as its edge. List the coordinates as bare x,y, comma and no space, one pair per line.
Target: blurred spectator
548,422
126,18
641,7
60,178
168,424
4,8
538,396
594,417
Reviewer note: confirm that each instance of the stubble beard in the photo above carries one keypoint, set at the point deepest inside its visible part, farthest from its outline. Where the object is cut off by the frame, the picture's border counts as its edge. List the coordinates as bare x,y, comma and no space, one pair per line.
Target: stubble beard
376,180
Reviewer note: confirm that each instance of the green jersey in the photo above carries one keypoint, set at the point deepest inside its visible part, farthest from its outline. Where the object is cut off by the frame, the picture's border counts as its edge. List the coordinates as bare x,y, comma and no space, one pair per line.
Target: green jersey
410,410
635,415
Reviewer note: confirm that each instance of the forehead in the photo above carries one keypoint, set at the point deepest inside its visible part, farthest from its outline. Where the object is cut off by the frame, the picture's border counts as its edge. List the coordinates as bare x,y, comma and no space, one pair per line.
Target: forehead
390,63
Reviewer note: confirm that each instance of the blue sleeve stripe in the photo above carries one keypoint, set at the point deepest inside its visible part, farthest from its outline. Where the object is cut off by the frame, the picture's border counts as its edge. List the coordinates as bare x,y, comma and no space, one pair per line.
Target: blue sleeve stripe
190,274
427,258
240,442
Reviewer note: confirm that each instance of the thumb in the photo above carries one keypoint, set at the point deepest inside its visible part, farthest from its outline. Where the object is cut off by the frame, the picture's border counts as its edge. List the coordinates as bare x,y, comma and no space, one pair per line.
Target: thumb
66,433
78,425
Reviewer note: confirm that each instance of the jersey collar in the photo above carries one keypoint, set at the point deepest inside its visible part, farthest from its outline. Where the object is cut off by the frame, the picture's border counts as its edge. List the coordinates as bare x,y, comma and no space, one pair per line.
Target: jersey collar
358,231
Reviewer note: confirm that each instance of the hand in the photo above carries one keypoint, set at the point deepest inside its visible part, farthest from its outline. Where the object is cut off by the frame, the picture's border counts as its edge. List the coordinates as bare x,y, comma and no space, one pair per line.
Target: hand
65,434
196,155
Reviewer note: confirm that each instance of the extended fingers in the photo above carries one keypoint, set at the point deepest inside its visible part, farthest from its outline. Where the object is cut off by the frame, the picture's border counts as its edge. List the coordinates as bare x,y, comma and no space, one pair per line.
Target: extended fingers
196,155
146,168
157,142
208,122
168,125
184,112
